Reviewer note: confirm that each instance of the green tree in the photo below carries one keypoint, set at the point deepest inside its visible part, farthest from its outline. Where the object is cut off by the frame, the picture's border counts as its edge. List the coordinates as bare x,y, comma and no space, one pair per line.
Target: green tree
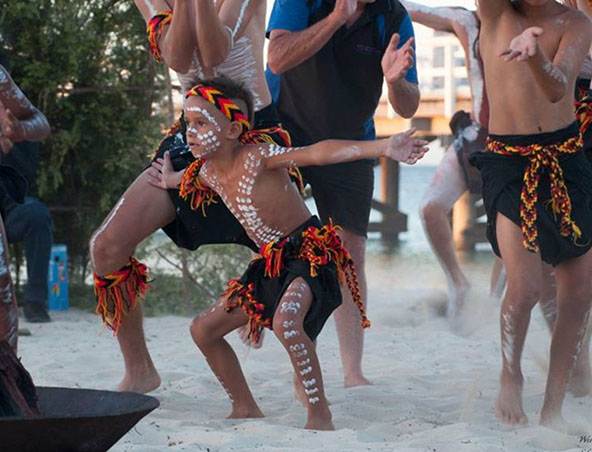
86,65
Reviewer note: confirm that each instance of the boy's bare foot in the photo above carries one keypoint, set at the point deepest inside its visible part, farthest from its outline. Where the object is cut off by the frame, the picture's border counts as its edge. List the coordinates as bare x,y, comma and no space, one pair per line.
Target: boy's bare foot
243,333
580,384
351,381
245,413
508,407
319,421
143,382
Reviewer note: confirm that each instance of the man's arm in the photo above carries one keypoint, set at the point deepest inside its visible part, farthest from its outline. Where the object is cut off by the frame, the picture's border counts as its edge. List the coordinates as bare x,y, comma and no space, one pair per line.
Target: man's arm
217,32
553,76
401,147
19,119
177,39
290,47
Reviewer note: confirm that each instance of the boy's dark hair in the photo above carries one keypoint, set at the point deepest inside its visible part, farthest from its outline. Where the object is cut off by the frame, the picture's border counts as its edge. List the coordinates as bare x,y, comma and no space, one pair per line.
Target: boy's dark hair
232,90
459,121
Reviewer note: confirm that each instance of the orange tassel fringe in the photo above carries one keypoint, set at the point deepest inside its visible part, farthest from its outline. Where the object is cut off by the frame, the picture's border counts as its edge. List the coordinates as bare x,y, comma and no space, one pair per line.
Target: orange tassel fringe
131,280
154,28
192,190
239,295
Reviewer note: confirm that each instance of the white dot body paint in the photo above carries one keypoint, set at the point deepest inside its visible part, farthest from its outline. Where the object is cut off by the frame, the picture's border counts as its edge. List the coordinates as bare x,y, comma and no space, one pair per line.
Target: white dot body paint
102,229
290,307
303,363
306,371
309,383
311,391
314,400
288,323
206,114
291,334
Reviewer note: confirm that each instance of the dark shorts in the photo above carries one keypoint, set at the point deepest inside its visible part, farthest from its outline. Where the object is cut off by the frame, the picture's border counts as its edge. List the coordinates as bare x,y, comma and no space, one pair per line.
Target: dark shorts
191,229
257,289
502,189
470,139
343,193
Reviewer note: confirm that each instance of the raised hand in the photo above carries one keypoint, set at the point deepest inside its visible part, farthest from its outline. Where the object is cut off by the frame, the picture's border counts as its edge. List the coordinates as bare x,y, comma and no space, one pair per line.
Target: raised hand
344,9
162,175
523,46
396,62
404,148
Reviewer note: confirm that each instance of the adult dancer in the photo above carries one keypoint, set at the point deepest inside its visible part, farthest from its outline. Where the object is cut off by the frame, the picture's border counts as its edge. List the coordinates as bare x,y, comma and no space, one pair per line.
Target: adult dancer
196,39
537,184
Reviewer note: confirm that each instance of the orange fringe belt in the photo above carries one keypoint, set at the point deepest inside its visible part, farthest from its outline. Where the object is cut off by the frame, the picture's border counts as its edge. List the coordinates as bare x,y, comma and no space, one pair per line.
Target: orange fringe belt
541,157
583,106
319,248
154,29
131,281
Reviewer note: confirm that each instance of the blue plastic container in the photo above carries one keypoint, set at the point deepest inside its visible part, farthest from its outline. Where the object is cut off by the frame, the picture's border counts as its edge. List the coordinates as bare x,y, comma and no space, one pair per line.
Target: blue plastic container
57,279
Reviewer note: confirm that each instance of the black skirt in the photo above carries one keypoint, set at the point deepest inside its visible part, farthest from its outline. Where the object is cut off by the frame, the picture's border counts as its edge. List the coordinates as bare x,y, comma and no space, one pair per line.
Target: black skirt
502,188
259,293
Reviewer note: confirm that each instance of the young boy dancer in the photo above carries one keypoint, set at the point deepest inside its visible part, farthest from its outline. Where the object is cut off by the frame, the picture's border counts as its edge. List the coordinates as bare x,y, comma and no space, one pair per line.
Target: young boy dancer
196,39
294,285
537,184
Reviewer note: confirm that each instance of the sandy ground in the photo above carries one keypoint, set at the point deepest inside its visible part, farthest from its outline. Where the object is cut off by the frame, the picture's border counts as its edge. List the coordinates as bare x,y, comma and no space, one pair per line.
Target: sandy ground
433,390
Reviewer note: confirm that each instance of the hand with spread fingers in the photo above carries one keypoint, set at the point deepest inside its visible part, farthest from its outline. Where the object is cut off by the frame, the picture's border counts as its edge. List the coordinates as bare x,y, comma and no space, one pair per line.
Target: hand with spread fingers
523,46
162,175
11,129
406,149
396,62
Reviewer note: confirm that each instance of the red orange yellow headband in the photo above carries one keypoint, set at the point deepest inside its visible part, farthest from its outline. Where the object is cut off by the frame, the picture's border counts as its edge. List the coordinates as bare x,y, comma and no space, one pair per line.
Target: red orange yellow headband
222,103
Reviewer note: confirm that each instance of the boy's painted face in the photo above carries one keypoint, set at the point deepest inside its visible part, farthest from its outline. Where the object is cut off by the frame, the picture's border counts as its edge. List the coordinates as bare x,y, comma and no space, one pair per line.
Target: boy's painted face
206,126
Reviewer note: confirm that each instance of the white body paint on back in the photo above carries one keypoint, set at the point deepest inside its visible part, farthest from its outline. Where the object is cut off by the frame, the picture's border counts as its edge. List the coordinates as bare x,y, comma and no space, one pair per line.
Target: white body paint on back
241,15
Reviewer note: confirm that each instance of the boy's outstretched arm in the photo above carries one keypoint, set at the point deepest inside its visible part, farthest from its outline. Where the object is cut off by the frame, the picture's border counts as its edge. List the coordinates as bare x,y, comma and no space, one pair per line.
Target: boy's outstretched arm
401,147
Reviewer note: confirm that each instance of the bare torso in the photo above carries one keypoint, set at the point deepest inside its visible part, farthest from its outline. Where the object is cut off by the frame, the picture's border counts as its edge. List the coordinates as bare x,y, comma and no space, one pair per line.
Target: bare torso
266,202
518,105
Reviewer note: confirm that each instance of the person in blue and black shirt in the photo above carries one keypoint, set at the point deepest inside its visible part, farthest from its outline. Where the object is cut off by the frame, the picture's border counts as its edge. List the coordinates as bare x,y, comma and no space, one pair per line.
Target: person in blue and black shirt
327,63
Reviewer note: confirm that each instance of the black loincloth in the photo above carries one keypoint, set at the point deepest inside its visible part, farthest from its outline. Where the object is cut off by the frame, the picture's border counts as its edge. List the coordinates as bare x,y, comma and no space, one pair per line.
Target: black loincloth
259,293
503,181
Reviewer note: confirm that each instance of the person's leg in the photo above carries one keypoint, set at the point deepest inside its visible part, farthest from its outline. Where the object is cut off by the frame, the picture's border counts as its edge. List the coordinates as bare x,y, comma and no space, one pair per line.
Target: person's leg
548,301
574,297
31,223
522,295
347,317
8,308
446,187
208,331
141,210
288,327
498,279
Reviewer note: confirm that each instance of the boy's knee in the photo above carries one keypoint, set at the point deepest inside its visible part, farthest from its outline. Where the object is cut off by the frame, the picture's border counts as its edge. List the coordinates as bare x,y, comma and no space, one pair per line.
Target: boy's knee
199,332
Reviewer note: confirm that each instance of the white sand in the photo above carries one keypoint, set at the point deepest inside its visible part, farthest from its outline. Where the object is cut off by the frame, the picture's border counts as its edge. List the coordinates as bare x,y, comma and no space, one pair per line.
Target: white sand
433,390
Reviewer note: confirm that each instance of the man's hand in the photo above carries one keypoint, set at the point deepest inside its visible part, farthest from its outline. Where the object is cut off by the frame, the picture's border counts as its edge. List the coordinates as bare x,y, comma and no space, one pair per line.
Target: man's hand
523,46
11,129
162,175
396,62
403,148
344,9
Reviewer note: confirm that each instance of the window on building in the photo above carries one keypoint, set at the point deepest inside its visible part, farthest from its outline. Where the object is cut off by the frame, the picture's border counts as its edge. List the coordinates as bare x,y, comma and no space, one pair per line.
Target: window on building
438,82
459,56
463,81
438,56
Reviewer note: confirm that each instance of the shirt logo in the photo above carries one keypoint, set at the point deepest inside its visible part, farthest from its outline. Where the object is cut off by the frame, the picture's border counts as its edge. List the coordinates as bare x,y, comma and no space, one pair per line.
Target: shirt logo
367,50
